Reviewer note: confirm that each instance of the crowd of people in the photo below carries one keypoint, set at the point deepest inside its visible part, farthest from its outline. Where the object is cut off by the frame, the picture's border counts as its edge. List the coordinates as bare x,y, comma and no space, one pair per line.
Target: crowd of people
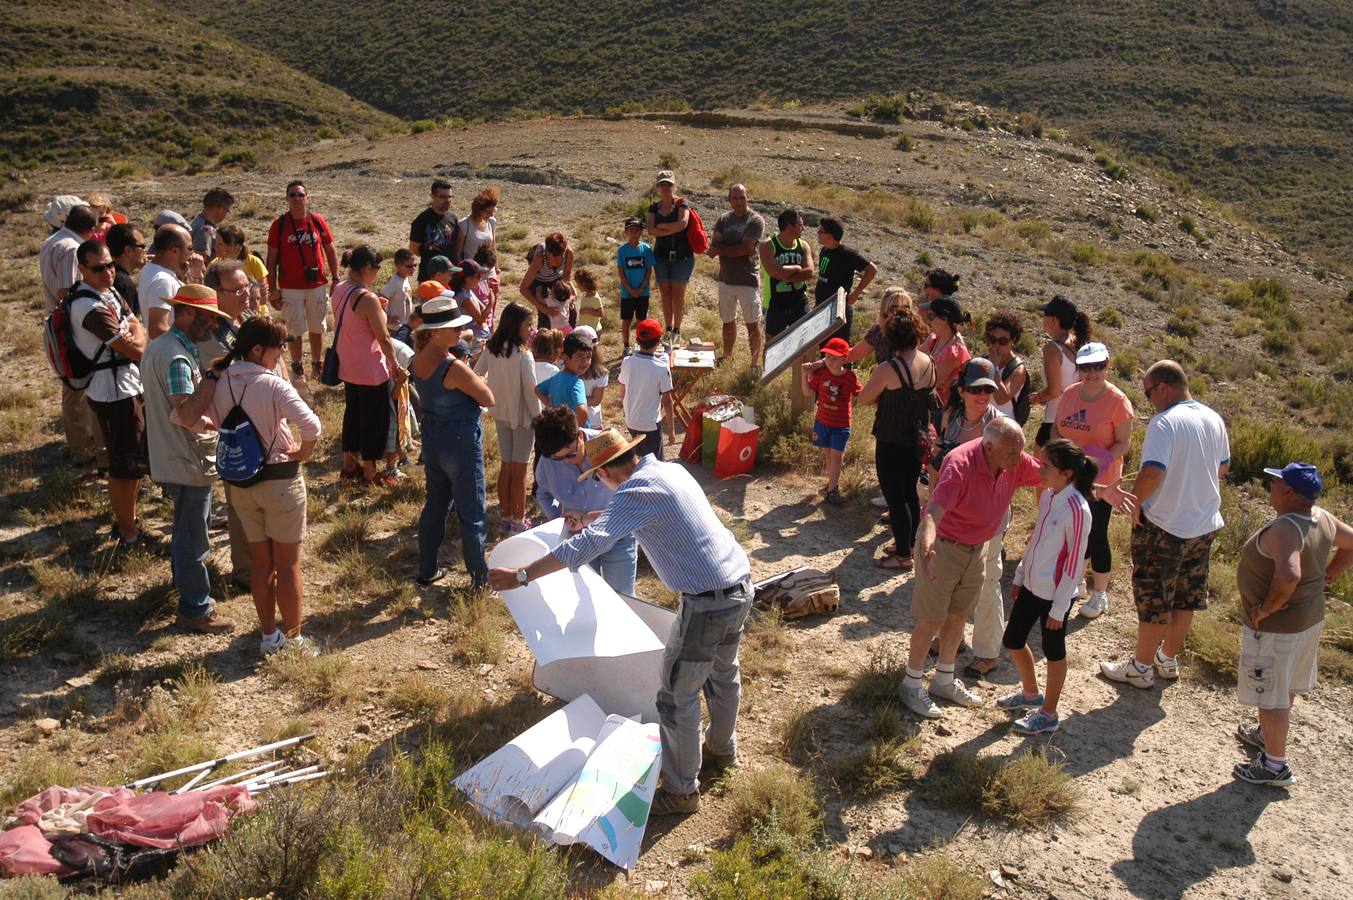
184,361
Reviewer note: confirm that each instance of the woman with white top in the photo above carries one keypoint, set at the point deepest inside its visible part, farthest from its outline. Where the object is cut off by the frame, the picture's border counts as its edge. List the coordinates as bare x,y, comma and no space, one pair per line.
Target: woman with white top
1068,329
272,509
479,227
1046,581
509,369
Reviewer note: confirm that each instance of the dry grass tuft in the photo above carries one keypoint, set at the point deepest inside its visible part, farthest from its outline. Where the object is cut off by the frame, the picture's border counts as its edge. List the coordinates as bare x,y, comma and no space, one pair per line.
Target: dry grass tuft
778,796
323,680
936,876
480,623
1026,791
876,684
881,765
420,697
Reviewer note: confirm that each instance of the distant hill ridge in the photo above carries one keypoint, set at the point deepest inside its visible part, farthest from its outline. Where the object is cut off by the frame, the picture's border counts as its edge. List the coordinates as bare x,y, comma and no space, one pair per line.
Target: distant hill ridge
1252,100
135,84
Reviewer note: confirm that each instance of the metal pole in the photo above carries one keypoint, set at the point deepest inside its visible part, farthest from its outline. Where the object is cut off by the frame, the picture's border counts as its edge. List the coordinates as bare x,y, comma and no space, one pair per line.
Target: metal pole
214,763
241,776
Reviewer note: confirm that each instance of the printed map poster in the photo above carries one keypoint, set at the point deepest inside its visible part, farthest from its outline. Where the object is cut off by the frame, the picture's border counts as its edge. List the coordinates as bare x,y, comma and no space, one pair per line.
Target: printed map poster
607,805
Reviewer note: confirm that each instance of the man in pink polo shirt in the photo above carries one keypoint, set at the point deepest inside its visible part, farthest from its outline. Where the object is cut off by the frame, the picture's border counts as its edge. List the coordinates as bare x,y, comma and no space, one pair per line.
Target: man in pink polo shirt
965,511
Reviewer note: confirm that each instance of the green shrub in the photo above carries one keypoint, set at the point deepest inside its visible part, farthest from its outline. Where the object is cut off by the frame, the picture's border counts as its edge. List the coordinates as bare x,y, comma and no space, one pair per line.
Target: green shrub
935,876
1034,231
668,160
768,864
920,215
1083,254
877,683
1110,317
878,767
1113,169
974,219
1146,213
1256,444
905,143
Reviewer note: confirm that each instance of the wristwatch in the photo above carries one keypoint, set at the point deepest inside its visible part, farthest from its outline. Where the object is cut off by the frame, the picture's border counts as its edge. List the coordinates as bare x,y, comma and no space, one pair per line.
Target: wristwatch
521,577
212,376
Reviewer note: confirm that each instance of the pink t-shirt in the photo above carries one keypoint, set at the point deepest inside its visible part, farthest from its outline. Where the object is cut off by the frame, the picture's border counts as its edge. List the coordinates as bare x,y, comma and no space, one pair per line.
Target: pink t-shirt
360,360
271,403
1091,424
953,350
974,500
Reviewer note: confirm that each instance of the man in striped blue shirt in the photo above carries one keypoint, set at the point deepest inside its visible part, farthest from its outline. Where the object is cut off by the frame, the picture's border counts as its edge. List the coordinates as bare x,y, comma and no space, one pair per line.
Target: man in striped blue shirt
691,551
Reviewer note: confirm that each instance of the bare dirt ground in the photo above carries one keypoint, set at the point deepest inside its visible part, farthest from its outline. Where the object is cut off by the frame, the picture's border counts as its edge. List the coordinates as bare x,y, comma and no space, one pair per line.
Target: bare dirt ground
1163,817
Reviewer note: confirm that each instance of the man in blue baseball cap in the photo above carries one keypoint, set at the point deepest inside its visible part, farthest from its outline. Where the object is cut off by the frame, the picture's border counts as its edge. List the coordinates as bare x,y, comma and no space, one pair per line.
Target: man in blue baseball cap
1282,574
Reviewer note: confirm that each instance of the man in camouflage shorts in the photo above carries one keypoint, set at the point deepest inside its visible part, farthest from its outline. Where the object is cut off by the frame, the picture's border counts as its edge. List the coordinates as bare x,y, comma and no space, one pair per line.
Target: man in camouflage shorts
1178,490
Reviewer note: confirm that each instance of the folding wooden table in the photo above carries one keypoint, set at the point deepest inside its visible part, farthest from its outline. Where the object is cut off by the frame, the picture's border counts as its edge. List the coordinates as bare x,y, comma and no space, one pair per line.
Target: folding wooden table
688,368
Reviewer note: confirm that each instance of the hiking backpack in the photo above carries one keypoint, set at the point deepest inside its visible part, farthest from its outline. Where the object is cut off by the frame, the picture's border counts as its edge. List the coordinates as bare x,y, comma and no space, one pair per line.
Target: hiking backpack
696,235
64,356
1021,401
240,454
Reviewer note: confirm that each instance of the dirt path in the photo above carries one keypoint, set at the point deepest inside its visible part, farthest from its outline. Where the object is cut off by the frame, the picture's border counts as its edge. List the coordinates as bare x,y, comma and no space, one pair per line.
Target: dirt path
1164,817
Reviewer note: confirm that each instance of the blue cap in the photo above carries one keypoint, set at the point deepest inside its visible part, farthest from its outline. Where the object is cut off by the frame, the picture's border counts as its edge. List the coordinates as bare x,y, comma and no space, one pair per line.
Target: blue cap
1300,477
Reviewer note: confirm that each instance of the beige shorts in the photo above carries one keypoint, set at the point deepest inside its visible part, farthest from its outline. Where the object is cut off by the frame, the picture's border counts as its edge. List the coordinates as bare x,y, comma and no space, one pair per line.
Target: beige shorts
305,310
960,573
271,510
515,444
731,296
1272,666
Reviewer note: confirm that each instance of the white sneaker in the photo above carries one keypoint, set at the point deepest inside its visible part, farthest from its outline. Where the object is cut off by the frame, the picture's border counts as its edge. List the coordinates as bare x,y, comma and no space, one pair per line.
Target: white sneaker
271,643
880,501
918,701
1127,672
1166,667
955,692
1096,606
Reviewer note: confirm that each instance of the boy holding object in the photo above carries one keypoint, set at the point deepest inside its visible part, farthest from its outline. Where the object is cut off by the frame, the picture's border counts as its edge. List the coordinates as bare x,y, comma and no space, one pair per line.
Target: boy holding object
835,385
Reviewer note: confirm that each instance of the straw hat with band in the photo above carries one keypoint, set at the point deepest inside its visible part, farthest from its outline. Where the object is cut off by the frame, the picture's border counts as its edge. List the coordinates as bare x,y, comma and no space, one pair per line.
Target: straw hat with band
442,312
606,446
199,297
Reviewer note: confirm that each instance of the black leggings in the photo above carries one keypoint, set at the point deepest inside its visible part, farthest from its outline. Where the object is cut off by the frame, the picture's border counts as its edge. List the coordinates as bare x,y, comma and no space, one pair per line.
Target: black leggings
366,419
1030,610
1098,550
898,467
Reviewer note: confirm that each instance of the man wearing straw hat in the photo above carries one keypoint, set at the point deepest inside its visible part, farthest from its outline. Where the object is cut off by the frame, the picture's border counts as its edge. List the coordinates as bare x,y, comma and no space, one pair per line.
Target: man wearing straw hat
664,508
181,462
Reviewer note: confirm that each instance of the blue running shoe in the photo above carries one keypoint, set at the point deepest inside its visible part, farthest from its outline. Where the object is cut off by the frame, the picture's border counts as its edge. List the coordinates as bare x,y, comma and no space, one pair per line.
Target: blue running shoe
1020,700
1037,722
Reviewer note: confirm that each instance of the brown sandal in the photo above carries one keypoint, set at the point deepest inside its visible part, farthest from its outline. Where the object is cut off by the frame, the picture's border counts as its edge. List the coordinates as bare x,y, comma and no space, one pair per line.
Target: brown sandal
973,670
890,548
895,563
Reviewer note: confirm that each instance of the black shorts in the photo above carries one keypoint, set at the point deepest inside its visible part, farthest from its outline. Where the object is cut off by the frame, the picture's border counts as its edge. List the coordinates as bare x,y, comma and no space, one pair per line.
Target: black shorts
633,308
123,423
1044,434
1030,610
785,311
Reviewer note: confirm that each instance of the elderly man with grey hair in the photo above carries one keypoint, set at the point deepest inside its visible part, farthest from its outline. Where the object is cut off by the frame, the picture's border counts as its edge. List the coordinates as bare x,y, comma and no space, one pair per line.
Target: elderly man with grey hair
965,512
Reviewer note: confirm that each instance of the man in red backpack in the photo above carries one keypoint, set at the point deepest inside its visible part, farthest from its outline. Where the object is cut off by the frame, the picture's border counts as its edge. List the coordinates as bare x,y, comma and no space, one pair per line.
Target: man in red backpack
60,271
300,246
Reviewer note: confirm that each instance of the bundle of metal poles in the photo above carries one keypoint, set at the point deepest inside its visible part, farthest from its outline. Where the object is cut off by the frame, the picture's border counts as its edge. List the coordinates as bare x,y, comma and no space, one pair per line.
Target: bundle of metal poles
258,779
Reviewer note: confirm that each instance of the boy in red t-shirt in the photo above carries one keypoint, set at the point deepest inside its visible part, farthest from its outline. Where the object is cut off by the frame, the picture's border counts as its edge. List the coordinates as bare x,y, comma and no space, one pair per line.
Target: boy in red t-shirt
836,385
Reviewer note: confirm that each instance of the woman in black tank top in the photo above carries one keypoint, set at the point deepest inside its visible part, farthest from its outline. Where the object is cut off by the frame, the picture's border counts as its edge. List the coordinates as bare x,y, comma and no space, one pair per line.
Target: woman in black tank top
904,389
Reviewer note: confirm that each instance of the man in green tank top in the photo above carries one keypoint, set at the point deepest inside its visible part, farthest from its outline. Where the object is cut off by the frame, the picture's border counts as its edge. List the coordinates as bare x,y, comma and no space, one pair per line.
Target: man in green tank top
787,261
1283,569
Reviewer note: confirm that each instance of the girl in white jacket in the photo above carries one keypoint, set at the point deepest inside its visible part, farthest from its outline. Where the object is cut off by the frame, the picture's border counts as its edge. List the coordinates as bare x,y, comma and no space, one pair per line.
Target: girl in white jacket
1046,581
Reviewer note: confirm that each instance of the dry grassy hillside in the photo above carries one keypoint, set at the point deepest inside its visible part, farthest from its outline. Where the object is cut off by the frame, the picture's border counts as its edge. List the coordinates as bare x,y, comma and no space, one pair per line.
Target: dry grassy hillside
838,794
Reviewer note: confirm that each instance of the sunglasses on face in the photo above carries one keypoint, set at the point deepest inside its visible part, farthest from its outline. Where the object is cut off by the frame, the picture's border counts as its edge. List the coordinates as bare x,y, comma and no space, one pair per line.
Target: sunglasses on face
101,268
984,389
1092,367
998,341
301,196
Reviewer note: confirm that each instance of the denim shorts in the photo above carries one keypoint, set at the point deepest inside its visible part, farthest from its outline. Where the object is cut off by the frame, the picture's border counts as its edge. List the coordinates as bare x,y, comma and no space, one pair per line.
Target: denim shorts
678,272
831,438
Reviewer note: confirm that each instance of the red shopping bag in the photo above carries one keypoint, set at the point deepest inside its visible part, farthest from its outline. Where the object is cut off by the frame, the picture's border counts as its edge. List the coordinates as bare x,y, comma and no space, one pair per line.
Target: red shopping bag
737,448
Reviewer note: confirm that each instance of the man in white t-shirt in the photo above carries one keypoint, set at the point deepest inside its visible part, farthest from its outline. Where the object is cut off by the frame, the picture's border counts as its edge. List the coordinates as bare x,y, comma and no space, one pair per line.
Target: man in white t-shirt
107,333
161,279
646,389
1184,456
60,270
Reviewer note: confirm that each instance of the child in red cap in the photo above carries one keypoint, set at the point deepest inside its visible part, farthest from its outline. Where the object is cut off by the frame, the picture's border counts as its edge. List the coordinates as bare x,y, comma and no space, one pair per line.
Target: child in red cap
646,389
836,385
